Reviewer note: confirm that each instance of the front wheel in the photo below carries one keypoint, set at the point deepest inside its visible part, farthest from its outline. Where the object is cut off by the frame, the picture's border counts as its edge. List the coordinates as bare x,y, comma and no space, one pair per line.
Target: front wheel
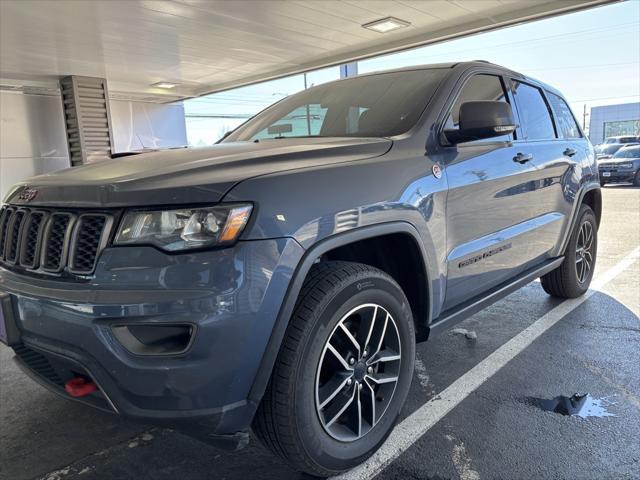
343,371
636,179
573,277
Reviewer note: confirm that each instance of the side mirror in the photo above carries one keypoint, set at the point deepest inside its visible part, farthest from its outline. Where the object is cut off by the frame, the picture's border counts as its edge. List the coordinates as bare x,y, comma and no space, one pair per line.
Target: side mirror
484,119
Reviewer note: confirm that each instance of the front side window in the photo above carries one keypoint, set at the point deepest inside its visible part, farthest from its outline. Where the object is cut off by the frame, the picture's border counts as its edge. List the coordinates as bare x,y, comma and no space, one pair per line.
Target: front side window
567,126
380,105
533,112
478,88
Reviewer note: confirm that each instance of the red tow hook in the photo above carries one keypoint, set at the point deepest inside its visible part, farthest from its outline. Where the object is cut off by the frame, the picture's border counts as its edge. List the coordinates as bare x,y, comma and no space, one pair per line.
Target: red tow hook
80,387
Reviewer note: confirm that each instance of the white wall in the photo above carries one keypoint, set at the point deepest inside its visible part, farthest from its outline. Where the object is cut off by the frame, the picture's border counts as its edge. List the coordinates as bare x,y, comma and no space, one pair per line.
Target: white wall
32,137
138,125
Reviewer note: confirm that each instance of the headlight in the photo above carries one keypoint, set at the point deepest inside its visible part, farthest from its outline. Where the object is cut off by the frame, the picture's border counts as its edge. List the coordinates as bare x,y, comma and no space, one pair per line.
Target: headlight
626,165
185,228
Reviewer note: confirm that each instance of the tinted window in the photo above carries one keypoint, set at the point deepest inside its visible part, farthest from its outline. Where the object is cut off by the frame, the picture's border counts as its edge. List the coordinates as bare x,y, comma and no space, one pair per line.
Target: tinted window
629,152
567,126
611,149
478,88
533,112
380,105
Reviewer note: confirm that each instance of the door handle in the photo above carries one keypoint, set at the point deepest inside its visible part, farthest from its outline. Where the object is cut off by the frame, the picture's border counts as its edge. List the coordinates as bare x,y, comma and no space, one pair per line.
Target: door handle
523,157
569,152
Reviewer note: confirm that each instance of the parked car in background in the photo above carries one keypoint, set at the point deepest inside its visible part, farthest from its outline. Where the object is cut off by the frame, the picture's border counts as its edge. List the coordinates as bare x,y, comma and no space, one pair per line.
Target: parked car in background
280,279
605,151
624,166
623,139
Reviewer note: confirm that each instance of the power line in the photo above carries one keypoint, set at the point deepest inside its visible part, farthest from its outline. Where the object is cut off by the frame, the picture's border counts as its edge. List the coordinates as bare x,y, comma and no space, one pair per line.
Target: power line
603,98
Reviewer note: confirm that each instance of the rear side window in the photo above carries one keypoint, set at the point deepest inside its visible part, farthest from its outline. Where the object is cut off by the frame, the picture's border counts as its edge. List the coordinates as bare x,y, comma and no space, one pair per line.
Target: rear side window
478,88
533,112
566,122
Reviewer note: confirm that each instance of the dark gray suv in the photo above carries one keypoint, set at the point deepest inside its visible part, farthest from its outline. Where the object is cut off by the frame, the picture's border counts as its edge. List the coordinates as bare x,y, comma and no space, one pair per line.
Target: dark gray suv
280,280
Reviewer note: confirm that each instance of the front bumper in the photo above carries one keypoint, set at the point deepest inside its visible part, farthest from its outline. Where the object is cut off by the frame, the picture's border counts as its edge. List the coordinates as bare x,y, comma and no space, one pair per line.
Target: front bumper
613,175
232,296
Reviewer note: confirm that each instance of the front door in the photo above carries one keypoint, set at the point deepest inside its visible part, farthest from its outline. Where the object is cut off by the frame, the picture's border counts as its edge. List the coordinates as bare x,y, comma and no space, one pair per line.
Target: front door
490,220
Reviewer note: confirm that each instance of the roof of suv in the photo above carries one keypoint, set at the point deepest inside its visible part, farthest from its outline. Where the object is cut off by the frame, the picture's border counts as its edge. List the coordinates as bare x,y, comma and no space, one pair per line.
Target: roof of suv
468,64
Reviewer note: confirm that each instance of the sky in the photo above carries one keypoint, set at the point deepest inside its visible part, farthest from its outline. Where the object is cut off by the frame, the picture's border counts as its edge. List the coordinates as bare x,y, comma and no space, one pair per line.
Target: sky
592,57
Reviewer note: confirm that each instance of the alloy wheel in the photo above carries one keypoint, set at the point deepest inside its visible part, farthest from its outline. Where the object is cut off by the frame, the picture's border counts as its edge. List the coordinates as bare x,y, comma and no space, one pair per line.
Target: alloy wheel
358,372
584,252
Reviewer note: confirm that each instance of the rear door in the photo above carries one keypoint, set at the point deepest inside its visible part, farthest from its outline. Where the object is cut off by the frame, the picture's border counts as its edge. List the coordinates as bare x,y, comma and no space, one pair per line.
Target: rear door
489,213
558,150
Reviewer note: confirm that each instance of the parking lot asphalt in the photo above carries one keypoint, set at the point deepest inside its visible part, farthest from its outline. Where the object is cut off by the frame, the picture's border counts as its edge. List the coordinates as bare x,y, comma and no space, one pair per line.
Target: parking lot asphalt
494,431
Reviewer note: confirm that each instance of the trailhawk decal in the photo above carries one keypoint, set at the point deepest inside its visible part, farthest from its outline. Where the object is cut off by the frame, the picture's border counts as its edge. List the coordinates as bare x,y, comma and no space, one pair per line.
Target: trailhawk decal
482,256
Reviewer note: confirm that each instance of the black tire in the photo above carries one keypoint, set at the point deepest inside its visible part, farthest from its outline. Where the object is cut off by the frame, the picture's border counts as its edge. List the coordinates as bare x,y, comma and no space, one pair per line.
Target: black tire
287,421
636,179
602,183
565,281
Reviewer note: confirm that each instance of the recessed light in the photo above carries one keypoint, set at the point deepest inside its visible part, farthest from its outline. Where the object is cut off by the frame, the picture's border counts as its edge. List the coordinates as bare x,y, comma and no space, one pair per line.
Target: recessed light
164,85
387,24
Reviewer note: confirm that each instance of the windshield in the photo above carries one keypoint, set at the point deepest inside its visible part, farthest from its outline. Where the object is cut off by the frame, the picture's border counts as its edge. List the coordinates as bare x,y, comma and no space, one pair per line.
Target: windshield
633,152
610,149
381,105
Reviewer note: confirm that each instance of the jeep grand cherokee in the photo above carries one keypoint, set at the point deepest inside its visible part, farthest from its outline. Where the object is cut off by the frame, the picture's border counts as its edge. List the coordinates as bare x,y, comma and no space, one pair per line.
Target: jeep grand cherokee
280,279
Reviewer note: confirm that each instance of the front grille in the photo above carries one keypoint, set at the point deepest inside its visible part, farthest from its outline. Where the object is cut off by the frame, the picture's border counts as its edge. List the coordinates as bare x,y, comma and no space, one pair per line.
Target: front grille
39,364
57,233
52,241
608,166
85,249
30,245
5,216
13,236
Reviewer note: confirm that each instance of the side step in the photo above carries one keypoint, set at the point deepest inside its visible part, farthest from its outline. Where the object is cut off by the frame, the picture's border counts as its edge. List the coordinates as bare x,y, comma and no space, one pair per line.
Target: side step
449,318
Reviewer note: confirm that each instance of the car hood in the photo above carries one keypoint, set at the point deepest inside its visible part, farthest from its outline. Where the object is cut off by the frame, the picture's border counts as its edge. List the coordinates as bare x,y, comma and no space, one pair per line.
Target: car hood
198,175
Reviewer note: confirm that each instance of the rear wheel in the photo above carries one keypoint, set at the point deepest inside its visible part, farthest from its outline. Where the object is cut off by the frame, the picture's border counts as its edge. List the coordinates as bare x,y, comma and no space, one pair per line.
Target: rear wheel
343,371
573,277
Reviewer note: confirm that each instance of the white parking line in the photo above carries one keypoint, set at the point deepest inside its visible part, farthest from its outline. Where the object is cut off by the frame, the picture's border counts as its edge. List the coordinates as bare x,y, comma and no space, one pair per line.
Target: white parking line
419,422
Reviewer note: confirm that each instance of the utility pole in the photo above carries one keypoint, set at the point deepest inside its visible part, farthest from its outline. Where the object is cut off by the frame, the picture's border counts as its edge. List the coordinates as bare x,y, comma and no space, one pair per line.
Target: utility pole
584,118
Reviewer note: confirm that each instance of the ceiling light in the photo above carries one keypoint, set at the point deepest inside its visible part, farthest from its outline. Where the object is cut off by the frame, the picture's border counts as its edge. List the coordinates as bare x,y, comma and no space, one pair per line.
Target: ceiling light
385,25
164,85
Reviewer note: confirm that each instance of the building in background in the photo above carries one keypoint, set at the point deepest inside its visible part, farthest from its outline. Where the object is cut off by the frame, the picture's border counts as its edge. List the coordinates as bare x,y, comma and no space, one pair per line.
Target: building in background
613,120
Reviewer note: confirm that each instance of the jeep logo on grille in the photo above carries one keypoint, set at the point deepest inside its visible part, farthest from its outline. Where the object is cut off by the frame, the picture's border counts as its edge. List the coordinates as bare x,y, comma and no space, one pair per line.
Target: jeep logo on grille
28,194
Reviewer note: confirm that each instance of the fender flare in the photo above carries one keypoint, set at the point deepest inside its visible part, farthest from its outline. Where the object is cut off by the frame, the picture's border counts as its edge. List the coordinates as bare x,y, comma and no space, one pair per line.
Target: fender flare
574,214
270,355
